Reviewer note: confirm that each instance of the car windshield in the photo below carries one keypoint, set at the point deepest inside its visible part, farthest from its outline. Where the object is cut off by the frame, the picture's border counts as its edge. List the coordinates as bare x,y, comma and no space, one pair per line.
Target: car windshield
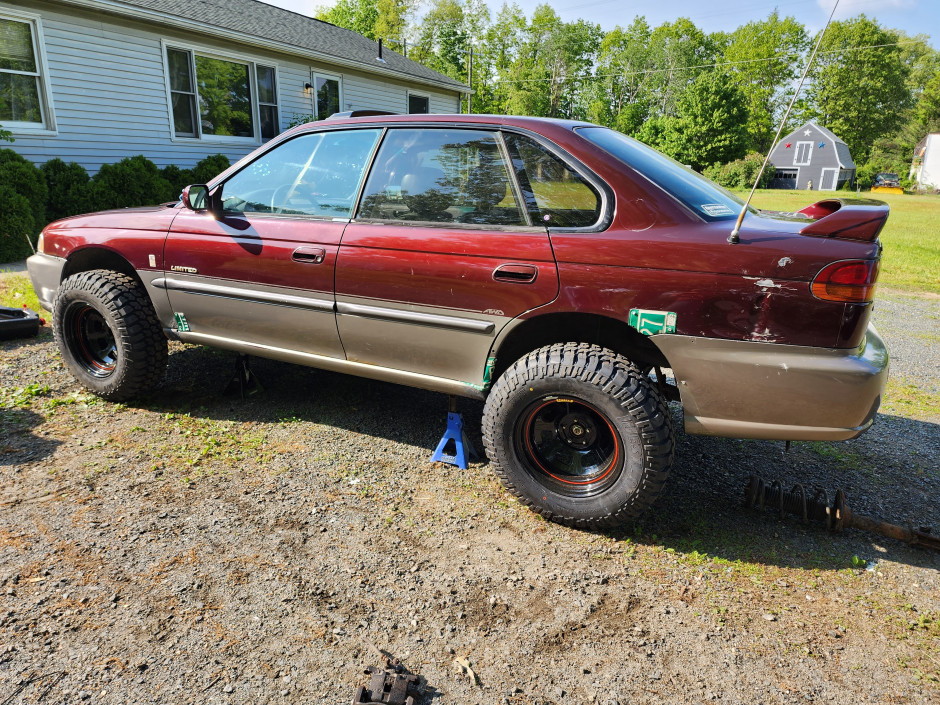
702,195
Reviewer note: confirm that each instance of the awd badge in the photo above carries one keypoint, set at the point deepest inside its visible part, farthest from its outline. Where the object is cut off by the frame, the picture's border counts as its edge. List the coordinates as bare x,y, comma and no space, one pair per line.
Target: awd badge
652,322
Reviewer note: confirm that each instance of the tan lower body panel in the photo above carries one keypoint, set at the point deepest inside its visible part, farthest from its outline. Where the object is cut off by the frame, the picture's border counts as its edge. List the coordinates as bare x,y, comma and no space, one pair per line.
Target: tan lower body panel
745,389
333,364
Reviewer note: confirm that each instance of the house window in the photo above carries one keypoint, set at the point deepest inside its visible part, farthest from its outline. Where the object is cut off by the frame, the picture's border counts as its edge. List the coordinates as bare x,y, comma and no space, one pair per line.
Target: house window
21,86
418,104
213,97
267,102
786,174
327,95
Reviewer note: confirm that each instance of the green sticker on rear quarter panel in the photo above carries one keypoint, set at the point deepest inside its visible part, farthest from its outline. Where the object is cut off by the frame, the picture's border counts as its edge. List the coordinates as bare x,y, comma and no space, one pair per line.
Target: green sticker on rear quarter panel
652,322
181,324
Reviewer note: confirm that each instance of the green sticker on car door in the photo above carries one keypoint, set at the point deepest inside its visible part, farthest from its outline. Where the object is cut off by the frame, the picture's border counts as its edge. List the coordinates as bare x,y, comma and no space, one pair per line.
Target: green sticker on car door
650,322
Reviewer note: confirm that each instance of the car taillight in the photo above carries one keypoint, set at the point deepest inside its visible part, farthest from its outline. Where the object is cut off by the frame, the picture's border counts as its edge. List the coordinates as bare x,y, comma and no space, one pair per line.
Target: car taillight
850,281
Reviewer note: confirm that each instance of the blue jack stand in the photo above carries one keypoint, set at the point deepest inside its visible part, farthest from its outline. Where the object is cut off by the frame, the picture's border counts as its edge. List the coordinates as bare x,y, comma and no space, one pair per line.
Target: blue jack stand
463,449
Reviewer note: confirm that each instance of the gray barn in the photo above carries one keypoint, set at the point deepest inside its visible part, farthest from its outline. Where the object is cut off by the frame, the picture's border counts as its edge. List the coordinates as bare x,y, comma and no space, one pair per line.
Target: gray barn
812,158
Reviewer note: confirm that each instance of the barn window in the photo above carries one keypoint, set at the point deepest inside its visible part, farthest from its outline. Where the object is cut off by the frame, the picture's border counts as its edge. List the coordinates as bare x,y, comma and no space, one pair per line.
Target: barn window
786,174
804,152
22,80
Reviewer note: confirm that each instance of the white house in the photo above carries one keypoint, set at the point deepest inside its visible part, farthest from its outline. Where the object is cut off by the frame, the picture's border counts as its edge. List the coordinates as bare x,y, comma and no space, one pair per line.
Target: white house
925,169
94,81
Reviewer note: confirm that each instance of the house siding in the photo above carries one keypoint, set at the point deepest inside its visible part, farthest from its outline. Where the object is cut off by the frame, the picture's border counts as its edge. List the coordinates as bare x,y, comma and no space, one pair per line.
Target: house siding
109,95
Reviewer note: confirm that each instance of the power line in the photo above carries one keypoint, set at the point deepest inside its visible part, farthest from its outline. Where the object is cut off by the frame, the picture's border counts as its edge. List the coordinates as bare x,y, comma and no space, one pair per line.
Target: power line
775,57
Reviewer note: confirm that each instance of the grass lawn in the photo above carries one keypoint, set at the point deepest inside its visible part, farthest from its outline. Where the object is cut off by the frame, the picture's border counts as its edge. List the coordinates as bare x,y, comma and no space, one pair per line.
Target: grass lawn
17,290
911,259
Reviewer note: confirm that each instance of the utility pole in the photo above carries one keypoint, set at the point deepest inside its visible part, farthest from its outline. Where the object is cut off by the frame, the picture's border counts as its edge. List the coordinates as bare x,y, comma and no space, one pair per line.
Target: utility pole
470,82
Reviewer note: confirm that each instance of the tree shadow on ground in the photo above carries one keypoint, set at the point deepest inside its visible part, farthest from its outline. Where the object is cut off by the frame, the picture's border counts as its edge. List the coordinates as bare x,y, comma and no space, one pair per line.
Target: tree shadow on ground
890,473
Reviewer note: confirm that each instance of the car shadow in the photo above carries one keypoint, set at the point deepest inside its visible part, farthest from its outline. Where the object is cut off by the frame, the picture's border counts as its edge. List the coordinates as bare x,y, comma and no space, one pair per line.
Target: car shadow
18,444
890,473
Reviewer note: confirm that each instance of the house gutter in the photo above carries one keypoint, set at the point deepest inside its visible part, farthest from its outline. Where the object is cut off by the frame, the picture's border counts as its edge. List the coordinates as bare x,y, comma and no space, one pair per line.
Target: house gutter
139,13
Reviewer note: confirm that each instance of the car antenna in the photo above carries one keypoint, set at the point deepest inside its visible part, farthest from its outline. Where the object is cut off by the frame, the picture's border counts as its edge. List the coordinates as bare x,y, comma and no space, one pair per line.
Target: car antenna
734,238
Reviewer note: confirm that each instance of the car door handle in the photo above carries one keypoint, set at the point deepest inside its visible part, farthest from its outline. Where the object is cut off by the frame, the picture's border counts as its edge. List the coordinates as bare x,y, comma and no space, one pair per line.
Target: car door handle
309,255
516,273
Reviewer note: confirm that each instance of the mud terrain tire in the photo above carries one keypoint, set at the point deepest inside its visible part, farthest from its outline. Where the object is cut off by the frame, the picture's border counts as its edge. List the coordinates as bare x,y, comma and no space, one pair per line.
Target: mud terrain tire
580,435
109,335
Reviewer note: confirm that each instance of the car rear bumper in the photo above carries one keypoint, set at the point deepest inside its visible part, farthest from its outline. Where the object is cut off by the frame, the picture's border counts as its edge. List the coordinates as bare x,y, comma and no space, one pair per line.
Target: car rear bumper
743,389
45,271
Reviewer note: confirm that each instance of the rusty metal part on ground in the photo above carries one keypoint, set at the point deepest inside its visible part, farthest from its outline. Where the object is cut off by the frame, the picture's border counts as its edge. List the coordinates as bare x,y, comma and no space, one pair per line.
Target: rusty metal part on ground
836,517
388,687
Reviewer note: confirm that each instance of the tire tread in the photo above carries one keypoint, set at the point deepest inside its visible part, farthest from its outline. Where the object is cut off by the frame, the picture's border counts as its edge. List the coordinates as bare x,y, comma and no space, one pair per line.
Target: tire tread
617,377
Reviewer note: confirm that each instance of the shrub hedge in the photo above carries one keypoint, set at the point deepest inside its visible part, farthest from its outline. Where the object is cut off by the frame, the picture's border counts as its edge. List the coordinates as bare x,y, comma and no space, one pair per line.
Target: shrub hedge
31,197
741,172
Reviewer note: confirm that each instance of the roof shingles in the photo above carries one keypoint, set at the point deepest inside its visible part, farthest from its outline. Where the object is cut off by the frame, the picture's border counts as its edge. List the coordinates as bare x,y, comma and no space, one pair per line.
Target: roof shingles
267,22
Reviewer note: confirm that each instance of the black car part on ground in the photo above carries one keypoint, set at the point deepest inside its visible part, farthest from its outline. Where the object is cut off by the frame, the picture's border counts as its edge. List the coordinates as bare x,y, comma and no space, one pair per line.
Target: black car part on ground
18,323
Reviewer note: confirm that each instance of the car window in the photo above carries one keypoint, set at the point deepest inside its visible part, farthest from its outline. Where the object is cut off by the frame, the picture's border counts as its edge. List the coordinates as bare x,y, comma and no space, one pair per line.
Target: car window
315,174
702,195
562,198
441,176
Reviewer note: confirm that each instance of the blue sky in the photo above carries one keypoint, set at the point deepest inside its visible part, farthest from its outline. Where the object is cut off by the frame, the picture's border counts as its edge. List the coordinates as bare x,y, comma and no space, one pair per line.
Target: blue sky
912,16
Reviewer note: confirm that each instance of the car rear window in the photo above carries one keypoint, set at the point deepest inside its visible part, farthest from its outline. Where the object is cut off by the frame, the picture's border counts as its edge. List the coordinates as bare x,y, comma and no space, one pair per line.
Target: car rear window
558,196
702,195
441,176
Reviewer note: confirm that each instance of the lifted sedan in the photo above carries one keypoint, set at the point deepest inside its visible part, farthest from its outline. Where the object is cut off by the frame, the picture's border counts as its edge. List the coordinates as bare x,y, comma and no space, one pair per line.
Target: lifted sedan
552,268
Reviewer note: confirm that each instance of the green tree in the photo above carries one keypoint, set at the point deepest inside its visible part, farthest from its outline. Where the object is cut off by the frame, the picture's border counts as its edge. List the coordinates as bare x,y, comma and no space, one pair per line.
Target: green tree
553,66
620,95
444,39
858,93
498,53
710,125
927,110
674,47
358,15
765,54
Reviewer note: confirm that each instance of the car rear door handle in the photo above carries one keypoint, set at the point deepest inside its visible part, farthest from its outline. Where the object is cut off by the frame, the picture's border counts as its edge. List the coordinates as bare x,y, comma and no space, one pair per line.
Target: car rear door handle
309,255
516,273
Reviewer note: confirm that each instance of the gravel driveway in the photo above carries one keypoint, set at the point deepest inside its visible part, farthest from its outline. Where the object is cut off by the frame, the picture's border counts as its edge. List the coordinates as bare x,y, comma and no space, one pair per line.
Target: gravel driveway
194,548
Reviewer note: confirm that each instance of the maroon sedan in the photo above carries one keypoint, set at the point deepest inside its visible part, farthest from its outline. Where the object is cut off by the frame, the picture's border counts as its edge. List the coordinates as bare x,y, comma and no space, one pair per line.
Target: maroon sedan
552,268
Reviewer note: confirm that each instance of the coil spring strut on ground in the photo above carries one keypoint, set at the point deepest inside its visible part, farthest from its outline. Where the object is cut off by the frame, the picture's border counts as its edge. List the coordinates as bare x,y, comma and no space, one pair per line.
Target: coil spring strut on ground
836,517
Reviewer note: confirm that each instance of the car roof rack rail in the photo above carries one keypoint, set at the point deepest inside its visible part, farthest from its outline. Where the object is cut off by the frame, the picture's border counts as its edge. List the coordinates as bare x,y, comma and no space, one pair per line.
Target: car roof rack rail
364,112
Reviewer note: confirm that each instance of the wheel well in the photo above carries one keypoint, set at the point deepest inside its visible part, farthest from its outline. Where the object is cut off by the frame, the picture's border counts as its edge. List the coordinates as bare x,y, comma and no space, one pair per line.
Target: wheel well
552,328
96,258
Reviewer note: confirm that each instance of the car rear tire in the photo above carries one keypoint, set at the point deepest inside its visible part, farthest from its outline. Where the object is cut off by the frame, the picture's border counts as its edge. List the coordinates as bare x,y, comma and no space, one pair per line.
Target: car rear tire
580,435
108,334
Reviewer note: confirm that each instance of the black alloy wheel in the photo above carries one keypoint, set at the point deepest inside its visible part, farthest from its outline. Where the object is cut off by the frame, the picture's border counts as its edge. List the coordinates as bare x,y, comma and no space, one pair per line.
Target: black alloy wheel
569,445
90,339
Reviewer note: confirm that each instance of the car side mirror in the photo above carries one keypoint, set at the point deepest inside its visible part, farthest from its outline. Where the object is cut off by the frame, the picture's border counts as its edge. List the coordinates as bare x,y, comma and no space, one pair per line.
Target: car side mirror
198,197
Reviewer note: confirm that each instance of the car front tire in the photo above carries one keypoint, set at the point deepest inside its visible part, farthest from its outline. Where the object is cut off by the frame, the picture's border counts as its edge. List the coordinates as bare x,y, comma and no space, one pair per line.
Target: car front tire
108,334
580,435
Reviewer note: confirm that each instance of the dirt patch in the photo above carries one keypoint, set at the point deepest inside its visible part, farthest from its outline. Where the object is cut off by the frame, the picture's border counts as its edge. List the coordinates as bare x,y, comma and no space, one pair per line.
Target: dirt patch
193,548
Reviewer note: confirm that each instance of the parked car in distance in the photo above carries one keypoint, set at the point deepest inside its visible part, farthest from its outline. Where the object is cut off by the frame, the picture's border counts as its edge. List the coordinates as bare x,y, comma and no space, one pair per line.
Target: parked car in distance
552,268
886,179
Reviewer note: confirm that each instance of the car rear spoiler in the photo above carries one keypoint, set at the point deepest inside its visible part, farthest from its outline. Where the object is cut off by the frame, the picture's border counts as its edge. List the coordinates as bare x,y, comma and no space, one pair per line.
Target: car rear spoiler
850,220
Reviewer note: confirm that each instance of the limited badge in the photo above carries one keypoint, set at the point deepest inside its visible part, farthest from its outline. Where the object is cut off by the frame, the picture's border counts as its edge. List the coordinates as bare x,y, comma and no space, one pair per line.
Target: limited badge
181,324
652,322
